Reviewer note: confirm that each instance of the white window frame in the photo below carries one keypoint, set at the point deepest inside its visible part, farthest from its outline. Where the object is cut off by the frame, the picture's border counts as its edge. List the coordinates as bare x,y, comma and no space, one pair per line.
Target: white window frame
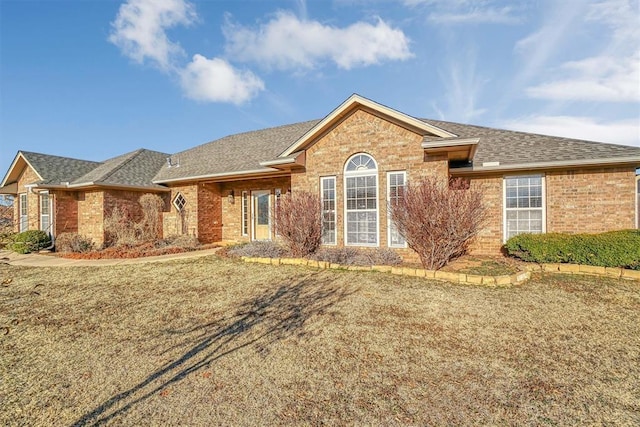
390,224
176,204
324,179
543,208
41,198
356,174
23,206
245,213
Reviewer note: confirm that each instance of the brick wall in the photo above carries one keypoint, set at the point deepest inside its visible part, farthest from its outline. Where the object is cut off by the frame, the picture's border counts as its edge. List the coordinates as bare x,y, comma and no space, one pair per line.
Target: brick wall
176,223
232,213
65,211
394,149
28,176
209,213
590,200
91,215
489,239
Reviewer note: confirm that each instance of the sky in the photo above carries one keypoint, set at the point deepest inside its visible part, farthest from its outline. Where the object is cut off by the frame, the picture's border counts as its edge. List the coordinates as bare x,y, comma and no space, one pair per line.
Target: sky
96,79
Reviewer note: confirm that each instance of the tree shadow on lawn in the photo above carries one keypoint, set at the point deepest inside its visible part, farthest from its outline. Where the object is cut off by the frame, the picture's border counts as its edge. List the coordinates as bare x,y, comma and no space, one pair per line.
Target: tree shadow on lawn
259,321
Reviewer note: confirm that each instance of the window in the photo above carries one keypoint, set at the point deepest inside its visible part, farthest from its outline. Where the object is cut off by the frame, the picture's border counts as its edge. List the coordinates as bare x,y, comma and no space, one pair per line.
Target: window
24,213
179,202
523,205
396,182
361,188
245,213
45,212
328,200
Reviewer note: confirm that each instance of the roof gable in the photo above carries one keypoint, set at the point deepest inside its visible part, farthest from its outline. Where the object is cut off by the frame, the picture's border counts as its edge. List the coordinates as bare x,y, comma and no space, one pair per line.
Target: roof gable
355,102
49,169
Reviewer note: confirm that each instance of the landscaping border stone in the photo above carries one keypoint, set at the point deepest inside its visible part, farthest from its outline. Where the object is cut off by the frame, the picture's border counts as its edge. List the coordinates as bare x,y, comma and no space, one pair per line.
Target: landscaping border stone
448,276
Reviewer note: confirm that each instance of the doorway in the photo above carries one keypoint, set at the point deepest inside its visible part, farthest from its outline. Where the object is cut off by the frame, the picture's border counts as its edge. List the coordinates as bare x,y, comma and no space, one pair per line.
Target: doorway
261,215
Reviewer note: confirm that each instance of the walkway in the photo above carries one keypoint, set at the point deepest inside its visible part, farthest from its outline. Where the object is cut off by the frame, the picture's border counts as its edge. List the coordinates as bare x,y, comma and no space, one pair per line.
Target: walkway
40,260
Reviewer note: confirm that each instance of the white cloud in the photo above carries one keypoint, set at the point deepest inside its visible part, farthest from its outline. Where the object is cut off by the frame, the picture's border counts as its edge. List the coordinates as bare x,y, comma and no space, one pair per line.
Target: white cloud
468,11
477,15
625,132
600,78
462,86
139,29
287,42
610,75
217,81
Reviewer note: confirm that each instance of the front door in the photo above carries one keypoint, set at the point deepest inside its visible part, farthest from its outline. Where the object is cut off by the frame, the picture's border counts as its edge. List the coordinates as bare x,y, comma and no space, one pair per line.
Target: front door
261,215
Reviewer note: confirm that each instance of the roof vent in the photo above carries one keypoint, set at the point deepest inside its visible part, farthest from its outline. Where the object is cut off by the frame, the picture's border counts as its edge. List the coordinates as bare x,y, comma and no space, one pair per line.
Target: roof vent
489,164
169,164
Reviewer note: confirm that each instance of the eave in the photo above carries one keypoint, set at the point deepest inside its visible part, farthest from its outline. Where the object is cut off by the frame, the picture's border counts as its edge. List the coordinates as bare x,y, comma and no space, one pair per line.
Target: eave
294,161
560,164
457,149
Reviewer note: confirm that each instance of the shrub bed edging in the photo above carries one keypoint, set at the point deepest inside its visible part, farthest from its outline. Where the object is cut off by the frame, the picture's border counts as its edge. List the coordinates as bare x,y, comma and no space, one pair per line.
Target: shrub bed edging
447,276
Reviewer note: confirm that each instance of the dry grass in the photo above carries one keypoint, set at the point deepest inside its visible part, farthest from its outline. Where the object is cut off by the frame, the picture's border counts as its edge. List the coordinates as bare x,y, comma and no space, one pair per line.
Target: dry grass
218,342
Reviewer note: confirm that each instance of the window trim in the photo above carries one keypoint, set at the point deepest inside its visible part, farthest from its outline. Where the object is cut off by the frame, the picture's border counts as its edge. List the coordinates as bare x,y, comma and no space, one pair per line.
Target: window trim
175,205
244,209
48,215
355,174
389,222
543,208
335,207
23,206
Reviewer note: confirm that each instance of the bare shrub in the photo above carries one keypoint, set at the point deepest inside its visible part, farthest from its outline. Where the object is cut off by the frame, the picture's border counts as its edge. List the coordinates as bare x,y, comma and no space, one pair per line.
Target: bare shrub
74,242
264,249
148,228
438,219
298,221
119,227
184,241
354,256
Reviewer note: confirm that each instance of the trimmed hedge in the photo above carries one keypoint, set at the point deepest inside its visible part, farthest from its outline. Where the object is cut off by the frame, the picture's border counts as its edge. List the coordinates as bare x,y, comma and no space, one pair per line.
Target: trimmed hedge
612,249
30,241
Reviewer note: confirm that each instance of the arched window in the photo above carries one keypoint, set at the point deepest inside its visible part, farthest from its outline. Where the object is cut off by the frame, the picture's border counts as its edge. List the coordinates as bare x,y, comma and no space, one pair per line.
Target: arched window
361,197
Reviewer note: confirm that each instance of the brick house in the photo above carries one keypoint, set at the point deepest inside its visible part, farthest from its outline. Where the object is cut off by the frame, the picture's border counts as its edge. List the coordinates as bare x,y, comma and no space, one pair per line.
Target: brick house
356,159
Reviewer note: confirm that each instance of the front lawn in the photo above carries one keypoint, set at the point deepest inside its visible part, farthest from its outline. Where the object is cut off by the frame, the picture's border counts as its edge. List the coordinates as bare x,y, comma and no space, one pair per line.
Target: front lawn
213,341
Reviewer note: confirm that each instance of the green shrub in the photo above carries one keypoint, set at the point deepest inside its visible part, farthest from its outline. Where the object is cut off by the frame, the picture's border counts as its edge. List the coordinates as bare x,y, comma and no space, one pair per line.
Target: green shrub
30,241
73,242
612,249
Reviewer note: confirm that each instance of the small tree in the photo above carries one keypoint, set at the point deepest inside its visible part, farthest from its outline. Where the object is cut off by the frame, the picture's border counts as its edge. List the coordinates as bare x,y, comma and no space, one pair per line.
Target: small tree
438,219
298,222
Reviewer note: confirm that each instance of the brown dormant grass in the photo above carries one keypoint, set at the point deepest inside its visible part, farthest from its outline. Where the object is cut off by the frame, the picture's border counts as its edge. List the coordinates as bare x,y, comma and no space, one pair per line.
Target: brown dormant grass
219,342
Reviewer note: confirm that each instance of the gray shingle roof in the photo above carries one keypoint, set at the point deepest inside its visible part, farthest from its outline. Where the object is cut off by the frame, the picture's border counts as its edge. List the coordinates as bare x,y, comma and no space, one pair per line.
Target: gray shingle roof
56,169
513,147
136,168
244,151
235,153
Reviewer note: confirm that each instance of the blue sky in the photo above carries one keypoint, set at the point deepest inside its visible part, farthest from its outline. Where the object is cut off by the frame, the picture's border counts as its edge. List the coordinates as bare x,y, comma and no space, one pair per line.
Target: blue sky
95,79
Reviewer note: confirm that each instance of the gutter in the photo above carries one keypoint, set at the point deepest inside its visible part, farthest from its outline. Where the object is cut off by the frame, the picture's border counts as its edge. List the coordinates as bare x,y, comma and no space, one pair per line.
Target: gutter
217,175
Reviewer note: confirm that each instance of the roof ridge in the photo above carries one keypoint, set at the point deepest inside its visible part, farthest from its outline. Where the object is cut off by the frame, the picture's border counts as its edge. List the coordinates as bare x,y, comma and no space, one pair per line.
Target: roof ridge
128,158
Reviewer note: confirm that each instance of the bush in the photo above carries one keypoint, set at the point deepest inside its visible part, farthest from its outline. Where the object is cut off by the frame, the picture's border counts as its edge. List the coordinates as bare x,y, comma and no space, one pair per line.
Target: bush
298,221
612,249
438,219
150,227
259,249
353,256
119,227
185,241
30,241
74,242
